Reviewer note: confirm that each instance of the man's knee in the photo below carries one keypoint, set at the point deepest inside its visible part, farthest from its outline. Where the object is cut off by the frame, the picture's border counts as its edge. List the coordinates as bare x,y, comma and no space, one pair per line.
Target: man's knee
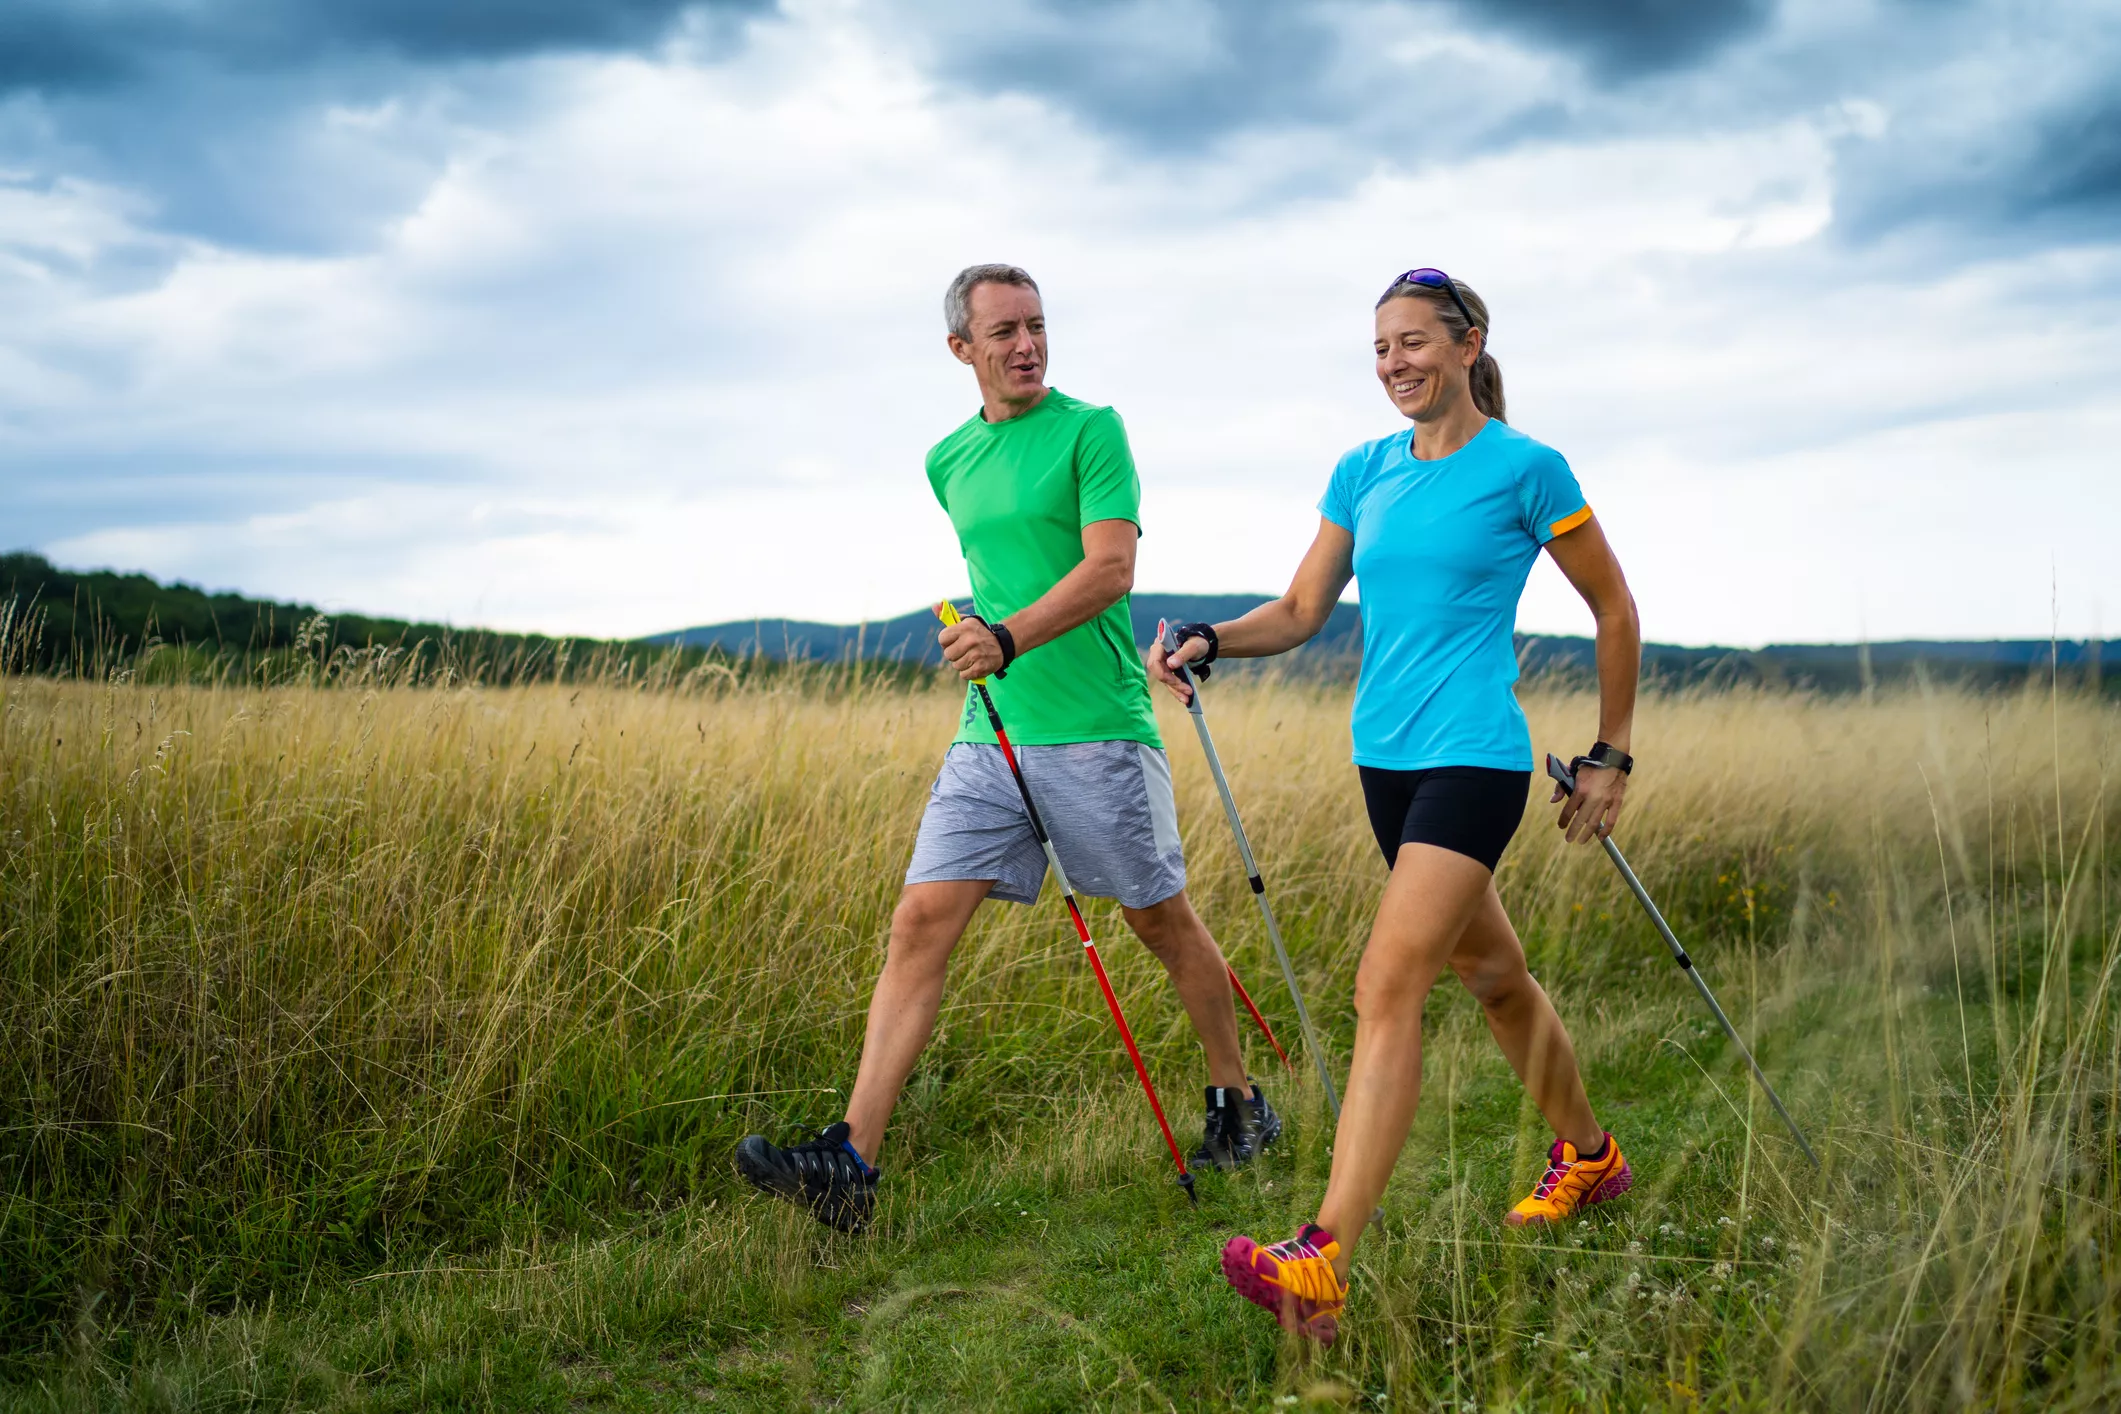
924,928
1167,928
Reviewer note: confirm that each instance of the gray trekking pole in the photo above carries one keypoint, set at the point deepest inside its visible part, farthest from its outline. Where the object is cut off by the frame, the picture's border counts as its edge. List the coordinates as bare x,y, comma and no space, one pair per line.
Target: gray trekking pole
1567,779
1169,640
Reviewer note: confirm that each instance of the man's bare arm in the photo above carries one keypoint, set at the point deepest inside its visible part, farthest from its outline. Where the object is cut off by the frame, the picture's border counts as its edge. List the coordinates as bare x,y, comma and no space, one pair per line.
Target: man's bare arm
1104,576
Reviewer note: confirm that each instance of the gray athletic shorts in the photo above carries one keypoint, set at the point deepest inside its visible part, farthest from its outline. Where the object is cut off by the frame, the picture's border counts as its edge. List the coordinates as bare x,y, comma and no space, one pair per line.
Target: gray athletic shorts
1107,805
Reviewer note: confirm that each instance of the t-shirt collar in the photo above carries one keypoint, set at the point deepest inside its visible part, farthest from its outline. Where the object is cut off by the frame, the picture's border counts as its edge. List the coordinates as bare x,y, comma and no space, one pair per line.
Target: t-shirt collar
979,414
1406,444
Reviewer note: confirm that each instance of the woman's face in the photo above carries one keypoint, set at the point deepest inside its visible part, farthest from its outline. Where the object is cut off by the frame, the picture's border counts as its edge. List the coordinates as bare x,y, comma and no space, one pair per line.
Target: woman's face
1423,372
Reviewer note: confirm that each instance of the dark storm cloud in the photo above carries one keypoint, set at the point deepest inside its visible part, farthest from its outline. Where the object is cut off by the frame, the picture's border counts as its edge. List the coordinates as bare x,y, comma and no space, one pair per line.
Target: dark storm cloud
1177,74
1622,39
1995,116
55,46
2075,164
215,111
46,46
2013,176
220,114
1169,75
459,29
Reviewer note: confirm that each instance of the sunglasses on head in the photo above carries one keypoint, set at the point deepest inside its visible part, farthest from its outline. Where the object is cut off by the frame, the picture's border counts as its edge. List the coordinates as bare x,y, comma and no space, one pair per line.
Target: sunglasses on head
1437,280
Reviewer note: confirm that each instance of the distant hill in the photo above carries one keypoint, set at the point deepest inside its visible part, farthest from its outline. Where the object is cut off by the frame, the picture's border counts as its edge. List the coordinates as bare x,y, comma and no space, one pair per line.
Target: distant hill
56,620
1338,649
911,637
70,621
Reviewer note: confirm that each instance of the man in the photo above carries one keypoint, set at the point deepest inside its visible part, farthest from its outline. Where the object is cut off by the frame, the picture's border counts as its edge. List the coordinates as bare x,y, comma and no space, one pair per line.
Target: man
1042,491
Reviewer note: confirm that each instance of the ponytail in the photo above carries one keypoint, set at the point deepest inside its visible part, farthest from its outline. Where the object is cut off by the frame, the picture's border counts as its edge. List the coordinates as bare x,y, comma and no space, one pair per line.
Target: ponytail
1486,379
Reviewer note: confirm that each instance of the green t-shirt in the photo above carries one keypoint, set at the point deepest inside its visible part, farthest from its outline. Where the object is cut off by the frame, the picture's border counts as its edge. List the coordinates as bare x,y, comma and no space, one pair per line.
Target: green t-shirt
1019,494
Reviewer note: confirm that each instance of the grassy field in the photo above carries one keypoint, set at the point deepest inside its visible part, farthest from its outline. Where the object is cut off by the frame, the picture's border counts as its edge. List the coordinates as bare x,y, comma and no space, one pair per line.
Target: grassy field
384,1050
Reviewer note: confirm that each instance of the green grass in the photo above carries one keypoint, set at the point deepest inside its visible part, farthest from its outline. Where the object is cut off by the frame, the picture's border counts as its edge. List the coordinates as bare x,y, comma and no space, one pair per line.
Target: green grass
384,1051
1061,1270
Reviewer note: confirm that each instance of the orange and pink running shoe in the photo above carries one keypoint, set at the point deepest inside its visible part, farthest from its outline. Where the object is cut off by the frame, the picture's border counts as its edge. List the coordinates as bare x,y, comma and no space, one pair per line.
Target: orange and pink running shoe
1574,1182
1294,1279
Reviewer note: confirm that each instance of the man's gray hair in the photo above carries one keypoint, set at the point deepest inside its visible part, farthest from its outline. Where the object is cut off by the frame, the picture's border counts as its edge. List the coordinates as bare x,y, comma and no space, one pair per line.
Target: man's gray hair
957,300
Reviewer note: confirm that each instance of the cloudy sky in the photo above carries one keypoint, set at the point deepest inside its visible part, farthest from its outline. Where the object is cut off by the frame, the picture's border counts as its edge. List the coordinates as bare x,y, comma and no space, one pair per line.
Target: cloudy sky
612,316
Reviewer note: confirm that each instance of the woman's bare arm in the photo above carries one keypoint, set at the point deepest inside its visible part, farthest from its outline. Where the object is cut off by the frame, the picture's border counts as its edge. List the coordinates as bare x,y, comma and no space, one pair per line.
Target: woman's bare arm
1588,560
1279,624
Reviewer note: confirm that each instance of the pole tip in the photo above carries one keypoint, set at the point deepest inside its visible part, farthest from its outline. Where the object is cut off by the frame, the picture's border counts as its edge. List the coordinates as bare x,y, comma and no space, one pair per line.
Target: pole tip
1185,1181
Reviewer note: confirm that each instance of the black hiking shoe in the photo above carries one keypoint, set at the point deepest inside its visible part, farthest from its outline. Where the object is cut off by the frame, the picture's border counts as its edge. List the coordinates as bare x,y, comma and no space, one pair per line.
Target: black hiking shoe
1239,1126
824,1175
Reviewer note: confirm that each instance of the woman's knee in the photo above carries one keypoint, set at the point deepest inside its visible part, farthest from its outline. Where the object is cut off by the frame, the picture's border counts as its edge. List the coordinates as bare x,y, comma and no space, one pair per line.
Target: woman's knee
1382,992
1497,983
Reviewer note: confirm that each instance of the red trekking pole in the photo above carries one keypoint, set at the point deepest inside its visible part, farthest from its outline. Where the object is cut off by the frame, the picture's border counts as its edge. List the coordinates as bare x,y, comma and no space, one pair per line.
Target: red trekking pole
947,612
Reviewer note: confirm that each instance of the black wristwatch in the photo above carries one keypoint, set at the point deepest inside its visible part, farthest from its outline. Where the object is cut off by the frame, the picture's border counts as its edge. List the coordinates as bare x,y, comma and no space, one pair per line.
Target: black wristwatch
1181,632
1604,754
1003,639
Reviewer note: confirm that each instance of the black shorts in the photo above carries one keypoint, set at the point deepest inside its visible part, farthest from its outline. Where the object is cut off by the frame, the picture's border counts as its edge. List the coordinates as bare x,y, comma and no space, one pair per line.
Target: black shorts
1470,810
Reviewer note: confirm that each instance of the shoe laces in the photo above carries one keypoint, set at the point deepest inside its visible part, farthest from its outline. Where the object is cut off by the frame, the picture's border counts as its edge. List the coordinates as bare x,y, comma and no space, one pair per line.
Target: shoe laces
825,1157
1304,1268
1296,1249
1226,1122
1557,1169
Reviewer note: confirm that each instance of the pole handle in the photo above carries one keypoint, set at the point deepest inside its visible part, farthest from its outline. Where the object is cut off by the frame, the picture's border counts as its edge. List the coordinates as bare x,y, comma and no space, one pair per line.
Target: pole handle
1561,773
947,612
1168,637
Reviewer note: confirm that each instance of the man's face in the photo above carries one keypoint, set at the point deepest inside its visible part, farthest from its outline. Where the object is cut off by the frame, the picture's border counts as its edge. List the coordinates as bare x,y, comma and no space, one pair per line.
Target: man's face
1007,350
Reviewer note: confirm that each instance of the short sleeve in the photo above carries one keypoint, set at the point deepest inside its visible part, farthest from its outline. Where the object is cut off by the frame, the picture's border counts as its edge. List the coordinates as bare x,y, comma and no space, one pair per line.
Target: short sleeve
935,479
1550,501
1106,486
1338,504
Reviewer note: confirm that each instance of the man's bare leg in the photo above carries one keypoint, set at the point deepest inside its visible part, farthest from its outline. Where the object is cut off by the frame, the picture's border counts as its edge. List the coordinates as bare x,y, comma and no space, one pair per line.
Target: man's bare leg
1182,943
925,927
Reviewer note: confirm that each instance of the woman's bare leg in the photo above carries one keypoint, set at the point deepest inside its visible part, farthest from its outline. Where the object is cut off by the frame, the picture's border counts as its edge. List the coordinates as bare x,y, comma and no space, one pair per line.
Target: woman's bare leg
1489,959
1434,893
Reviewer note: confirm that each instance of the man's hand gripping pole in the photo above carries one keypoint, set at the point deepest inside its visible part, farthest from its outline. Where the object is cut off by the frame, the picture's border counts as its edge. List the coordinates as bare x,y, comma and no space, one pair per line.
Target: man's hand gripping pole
947,612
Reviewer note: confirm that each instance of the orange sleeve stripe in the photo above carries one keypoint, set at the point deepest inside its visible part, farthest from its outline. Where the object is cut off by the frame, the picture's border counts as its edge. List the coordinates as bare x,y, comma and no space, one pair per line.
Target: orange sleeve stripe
1568,523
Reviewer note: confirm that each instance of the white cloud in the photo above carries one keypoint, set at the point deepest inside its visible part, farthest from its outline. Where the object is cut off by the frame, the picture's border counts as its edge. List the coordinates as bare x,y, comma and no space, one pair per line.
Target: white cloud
666,333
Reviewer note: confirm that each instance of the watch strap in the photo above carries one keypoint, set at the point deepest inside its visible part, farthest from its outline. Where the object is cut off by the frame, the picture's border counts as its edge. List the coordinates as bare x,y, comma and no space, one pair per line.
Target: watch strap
1606,755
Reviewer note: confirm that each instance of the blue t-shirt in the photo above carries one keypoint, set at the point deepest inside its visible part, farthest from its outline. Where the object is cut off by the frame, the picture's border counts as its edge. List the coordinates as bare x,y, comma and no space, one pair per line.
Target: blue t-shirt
1442,551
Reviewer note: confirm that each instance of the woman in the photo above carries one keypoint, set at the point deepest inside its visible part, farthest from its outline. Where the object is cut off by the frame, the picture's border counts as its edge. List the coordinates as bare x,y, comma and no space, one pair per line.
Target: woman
1442,528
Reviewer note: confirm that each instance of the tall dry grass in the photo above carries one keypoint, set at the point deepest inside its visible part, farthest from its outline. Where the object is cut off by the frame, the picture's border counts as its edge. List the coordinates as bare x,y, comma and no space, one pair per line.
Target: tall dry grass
298,984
